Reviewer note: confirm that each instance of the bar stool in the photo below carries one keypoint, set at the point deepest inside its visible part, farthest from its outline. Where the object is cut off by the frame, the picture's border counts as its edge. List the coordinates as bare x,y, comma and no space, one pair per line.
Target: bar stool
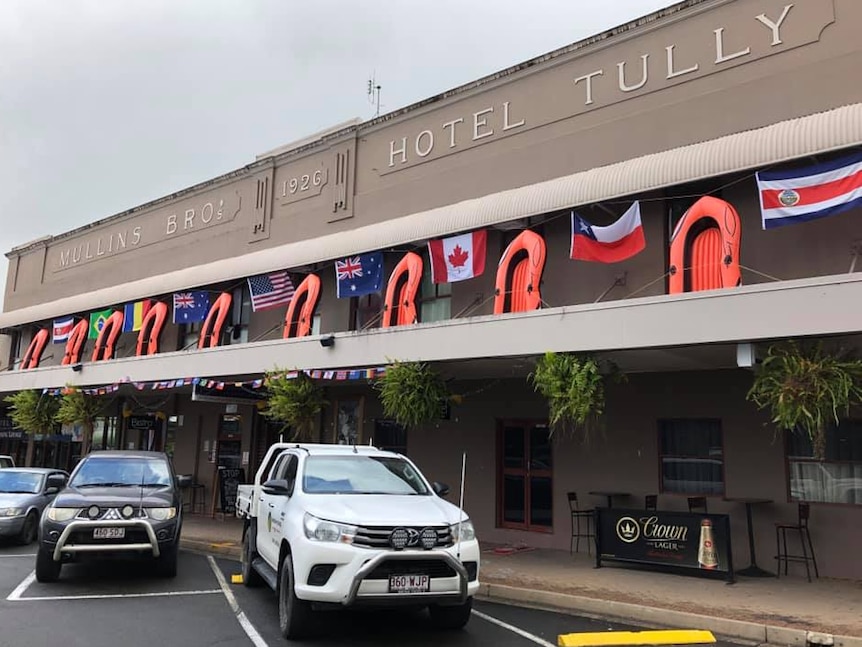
801,526
580,515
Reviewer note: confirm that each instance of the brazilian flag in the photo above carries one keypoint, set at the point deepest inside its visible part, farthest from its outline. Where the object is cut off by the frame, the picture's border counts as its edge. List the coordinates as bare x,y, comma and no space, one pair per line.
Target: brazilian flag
97,322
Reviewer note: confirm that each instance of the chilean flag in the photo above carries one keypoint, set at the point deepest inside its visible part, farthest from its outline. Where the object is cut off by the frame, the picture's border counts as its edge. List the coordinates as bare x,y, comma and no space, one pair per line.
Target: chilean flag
811,192
458,258
612,244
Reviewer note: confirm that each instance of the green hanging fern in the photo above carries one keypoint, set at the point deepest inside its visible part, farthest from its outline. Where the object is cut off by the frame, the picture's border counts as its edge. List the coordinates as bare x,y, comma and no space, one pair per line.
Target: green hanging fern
295,402
807,388
574,388
412,393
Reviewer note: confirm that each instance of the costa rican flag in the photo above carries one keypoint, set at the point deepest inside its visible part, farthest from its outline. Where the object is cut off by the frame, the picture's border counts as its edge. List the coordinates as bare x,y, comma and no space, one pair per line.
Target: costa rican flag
62,329
811,192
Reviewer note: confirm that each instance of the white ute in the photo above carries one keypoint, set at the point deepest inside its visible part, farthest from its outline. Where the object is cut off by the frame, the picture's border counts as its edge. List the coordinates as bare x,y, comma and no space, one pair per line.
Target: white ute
338,526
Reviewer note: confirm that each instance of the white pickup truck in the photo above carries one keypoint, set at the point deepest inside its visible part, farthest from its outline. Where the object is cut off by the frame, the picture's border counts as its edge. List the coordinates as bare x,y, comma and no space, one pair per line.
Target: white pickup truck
330,526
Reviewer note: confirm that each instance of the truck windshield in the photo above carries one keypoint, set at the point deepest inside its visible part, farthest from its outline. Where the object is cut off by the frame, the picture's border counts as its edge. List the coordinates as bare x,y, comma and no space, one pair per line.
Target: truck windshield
361,475
121,472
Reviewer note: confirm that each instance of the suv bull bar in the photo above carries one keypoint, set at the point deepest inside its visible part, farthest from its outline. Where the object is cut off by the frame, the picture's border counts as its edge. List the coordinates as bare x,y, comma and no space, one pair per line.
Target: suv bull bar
78,524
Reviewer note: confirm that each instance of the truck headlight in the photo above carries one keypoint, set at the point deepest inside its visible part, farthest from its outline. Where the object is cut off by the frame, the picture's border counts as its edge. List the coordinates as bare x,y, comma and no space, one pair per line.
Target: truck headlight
161,514
11,512
61,514
466,530
321,530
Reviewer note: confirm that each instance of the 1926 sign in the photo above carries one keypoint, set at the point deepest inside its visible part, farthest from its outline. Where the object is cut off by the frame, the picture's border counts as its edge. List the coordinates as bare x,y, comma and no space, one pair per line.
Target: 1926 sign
675,539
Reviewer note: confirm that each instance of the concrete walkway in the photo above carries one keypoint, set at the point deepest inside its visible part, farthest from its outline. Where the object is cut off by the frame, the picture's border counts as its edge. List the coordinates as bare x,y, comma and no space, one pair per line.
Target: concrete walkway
781,611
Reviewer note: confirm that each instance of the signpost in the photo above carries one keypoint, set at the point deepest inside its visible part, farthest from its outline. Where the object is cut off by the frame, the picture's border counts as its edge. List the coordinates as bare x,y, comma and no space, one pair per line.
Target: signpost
687,540
228,480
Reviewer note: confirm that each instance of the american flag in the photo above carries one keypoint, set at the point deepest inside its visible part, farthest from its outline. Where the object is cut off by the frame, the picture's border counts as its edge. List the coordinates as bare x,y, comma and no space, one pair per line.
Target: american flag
270,290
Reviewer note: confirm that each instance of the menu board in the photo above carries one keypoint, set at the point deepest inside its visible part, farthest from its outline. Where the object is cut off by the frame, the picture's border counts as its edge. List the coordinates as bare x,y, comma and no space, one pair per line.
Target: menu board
228,480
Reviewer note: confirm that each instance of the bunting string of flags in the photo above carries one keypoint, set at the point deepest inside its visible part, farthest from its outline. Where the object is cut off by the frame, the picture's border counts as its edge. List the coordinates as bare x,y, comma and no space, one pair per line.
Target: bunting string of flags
338,375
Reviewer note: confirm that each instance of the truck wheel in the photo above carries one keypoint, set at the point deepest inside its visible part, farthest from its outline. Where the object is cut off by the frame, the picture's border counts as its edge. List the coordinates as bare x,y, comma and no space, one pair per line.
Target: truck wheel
455,617
166,564
250,577
294,615
47,570
29,530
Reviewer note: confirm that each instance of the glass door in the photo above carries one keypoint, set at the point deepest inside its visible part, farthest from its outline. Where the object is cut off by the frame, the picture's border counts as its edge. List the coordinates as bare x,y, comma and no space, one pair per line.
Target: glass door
525,476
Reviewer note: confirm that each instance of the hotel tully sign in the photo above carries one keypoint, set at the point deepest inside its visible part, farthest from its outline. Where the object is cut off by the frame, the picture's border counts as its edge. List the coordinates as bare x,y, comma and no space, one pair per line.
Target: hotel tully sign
693,48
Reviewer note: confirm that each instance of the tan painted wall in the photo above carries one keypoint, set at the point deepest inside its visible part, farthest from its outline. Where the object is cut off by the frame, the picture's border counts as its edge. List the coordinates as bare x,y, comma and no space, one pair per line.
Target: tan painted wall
348,182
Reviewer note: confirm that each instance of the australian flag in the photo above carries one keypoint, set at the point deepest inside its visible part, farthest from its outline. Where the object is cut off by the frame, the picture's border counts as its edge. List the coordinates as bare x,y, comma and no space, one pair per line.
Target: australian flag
191,306
359,275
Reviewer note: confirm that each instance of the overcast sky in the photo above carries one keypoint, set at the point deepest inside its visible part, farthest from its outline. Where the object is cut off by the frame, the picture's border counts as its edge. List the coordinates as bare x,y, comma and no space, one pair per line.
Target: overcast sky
107,104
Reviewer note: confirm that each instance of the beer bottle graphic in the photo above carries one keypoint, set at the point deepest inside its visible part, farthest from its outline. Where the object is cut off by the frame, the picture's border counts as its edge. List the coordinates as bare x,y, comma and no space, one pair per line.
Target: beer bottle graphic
706,554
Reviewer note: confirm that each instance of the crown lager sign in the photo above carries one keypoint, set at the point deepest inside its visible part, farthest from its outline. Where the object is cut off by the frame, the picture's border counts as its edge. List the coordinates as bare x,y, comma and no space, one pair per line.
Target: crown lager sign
674,539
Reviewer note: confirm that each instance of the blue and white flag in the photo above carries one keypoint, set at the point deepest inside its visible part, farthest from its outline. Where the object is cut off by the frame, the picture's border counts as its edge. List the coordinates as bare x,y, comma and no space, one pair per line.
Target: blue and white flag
191,306
812,192
359,275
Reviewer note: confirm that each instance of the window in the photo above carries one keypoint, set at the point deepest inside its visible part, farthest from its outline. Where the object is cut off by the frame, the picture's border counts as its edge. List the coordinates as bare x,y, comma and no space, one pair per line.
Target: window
365,311
435,299
240,316
189,334
389,435
837,478
525,476
691,454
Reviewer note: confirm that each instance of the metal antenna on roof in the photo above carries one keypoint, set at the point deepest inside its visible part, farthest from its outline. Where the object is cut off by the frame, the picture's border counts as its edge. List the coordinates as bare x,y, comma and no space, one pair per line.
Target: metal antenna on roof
374,94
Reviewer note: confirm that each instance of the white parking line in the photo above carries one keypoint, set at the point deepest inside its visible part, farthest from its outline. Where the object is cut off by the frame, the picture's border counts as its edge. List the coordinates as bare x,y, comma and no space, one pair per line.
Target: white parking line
244,622
514,629
15,596
30,555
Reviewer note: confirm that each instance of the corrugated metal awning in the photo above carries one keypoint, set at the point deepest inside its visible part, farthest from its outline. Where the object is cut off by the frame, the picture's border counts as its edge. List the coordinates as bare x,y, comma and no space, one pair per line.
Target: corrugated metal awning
811,135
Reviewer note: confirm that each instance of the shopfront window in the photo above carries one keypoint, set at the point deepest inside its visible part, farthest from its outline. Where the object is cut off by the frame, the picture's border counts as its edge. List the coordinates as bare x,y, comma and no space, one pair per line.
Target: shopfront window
691,454
435,299
835,479
525,476
189,334
241,316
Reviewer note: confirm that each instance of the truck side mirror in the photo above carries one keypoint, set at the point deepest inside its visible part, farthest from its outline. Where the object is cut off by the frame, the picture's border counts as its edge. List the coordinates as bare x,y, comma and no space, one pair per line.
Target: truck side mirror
276,487
184,480
440,488
54,484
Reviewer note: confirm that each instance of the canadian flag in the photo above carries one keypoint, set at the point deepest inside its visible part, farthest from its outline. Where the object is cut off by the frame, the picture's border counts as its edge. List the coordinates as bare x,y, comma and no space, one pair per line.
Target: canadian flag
457,258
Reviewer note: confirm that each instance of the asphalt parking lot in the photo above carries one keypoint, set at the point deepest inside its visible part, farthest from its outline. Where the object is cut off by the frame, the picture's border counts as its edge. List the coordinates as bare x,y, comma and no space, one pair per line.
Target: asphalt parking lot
124,603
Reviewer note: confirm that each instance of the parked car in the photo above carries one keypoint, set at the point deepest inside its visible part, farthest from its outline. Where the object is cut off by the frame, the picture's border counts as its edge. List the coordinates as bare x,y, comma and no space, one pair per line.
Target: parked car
24,494
335,525
116,503
6,461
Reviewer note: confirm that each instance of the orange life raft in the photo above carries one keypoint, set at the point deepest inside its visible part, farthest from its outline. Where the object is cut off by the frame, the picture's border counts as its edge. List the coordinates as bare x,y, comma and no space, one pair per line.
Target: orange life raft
75,343
151,329
34,350
519,274
300,312
399,308
107,338
213,324
704,248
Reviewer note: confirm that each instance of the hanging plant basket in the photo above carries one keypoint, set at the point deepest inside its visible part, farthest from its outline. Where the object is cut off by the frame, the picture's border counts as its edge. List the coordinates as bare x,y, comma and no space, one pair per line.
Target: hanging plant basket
295,402
412,393
574,387
807,388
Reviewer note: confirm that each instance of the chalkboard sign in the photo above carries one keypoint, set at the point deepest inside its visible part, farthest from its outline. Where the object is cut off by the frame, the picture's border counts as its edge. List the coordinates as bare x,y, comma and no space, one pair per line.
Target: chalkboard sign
682,540
228,480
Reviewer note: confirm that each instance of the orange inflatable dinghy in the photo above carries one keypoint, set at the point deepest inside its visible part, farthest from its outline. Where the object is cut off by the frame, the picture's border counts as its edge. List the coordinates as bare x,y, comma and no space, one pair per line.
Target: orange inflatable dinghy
213,324
34,350
151,329
300,312
519,274
75,343
704,248
400,306
107,339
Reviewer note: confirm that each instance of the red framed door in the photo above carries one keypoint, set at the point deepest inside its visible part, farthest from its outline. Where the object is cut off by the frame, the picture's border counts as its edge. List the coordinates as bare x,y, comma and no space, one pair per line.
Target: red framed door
525,476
